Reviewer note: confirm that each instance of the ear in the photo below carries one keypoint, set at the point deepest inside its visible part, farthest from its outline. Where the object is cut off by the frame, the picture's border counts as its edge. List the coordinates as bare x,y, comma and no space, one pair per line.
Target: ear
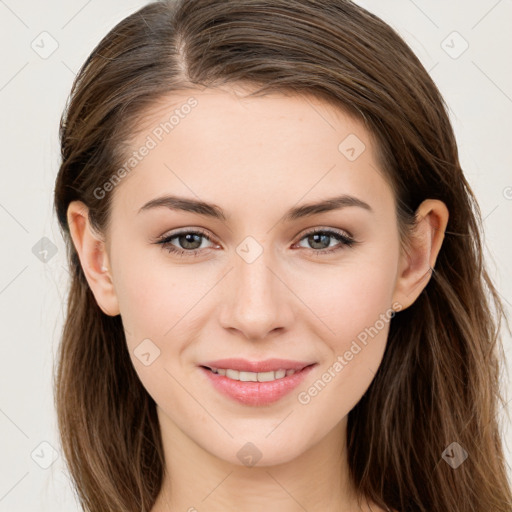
420,255
90,247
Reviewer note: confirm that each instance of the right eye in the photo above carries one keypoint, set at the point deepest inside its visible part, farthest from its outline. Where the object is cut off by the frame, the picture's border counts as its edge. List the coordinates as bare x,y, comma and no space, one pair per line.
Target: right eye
186,239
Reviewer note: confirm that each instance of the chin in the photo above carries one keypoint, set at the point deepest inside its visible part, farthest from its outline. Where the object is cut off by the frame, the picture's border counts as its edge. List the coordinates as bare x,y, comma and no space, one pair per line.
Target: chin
250,452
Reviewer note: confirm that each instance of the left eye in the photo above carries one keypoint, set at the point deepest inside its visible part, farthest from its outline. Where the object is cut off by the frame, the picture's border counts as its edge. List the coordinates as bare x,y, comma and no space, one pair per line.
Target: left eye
320,237
190,242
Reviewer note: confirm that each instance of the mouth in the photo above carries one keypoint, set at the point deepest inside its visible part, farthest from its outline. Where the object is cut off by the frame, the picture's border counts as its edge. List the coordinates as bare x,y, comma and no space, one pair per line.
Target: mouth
256,388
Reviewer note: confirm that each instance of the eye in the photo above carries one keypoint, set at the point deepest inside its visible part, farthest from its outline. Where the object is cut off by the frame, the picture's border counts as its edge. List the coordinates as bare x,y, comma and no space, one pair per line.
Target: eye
190,241
322,237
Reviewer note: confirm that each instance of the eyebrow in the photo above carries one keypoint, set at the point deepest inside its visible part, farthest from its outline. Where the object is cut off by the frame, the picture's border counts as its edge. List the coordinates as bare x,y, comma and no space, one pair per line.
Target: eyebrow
216,212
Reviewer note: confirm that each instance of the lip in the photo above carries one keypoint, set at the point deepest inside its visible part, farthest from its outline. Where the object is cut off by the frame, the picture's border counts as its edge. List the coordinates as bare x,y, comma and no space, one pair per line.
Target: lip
269,365
256,393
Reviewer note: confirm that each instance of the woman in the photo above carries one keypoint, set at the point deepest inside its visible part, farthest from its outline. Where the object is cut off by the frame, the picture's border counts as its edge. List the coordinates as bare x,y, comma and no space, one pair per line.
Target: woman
278,299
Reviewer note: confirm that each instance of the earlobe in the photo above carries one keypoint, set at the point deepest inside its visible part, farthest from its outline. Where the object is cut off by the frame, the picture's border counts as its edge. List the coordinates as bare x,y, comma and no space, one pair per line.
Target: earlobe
90,248
417,262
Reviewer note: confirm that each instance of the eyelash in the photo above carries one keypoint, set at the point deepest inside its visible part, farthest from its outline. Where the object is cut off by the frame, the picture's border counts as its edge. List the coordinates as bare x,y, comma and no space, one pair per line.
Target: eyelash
345,240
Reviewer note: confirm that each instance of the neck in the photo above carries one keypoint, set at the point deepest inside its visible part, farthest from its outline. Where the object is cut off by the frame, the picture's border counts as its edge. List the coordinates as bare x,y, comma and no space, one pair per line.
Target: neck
195,479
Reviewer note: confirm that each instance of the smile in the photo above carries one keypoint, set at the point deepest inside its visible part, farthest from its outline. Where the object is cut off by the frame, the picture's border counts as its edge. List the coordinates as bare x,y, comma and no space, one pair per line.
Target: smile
255,388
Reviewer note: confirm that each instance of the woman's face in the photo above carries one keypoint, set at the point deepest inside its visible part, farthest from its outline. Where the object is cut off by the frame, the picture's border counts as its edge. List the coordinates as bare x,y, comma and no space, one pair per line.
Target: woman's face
258,286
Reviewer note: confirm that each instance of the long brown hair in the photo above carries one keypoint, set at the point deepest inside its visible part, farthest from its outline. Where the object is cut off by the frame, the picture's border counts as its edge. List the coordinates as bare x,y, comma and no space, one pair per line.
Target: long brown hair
439,381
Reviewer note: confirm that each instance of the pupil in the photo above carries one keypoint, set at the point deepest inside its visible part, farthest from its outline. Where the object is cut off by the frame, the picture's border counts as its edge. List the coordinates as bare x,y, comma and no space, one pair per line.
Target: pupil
316,240
188,238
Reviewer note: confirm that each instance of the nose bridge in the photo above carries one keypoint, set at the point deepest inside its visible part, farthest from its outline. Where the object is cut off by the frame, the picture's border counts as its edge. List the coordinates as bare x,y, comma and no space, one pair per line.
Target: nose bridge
254,279
258,302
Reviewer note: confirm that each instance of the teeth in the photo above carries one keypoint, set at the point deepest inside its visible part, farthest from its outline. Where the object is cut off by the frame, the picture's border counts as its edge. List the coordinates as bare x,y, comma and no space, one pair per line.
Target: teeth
252,376
233,374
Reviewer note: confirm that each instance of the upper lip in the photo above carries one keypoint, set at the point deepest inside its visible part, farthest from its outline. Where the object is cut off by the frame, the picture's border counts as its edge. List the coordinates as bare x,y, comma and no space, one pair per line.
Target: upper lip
268,365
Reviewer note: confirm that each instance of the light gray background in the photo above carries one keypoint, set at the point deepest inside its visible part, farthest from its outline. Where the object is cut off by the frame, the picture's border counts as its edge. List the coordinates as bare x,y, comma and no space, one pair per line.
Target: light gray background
476,83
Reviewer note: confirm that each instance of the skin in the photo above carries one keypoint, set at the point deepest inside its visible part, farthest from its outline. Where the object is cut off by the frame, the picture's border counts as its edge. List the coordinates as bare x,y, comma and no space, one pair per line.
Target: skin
266,155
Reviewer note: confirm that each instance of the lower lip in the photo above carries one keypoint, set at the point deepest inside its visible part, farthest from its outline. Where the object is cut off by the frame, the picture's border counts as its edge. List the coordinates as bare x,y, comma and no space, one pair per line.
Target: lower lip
257,393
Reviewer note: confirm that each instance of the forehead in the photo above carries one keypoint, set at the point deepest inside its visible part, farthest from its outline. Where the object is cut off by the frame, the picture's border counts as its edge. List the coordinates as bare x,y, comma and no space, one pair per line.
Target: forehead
237,151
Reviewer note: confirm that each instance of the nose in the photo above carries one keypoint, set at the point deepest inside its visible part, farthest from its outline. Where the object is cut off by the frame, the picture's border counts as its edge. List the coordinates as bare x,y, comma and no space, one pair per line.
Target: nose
258,300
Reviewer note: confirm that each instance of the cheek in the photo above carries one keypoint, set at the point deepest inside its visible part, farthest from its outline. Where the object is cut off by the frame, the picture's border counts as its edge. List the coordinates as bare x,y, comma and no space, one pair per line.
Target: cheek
160,301
152,296
153,308
349,298
352,305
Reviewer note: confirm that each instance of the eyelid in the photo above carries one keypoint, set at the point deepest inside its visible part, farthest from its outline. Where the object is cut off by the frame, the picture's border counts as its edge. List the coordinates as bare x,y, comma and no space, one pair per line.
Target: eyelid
316,229
182,231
